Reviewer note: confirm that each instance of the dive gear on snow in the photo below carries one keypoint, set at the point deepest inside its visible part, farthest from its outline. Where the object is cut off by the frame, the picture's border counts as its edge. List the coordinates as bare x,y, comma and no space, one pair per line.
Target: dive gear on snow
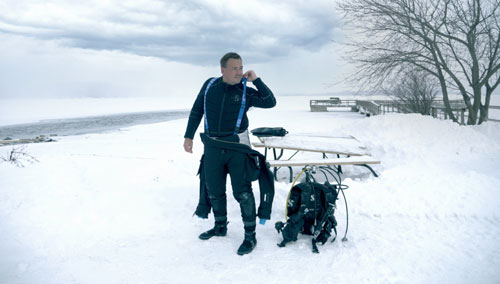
310,210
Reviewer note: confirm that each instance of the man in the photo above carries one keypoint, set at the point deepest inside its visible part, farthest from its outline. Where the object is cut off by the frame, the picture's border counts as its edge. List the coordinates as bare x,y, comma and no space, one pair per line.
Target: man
224,102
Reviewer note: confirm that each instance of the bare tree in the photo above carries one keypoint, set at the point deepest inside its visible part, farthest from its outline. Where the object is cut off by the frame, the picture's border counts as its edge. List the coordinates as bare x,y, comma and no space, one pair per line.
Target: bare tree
456,41
414,92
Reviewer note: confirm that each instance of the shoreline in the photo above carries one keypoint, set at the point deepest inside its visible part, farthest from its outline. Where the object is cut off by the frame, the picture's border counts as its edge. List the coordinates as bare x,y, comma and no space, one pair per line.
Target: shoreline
84,125
38,139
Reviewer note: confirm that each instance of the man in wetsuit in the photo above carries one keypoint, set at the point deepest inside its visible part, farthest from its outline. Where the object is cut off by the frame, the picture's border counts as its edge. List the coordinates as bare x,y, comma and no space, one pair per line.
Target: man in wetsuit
224,102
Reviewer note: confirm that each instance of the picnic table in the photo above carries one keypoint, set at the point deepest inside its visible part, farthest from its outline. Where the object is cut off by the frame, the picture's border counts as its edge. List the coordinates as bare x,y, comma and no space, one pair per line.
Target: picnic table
347,150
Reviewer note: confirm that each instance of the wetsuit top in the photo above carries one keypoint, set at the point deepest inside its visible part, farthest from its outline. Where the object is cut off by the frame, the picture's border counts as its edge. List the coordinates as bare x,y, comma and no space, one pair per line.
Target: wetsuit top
223,103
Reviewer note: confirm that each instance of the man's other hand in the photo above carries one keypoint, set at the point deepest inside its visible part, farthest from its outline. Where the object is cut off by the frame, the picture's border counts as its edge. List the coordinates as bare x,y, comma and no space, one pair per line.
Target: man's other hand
188,145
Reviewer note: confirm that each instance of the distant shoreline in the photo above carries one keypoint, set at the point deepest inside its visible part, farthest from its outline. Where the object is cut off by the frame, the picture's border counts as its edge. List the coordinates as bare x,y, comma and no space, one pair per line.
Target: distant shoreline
86,124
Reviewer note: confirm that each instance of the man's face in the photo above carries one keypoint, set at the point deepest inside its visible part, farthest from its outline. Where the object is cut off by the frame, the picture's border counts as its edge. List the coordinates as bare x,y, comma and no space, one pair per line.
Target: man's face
233,72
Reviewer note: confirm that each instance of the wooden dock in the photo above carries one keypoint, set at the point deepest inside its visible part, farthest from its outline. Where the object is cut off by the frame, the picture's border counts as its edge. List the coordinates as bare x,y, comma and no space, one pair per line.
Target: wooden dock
376,107
333,102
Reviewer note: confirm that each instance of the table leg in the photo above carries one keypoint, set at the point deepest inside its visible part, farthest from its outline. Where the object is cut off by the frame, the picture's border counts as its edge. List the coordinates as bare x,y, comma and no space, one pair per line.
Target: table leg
370,168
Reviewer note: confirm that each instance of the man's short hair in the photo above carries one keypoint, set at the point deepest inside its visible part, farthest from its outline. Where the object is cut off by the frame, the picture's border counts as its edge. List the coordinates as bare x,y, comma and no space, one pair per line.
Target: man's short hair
227,56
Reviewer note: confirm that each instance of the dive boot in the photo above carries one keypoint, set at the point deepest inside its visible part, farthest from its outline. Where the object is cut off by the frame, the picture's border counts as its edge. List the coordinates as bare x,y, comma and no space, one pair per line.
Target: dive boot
248,244
218,230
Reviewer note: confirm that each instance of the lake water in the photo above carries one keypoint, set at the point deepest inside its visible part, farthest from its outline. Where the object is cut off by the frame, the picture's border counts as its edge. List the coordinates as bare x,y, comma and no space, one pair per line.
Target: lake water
85,125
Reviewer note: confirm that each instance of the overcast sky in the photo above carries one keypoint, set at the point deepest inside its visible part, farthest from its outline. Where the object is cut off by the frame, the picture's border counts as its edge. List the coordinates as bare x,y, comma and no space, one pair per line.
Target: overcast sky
63,48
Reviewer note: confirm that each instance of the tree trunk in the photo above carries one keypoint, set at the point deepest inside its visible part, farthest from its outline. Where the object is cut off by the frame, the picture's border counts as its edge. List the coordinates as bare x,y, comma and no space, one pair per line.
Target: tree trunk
484,109
483,114
444,90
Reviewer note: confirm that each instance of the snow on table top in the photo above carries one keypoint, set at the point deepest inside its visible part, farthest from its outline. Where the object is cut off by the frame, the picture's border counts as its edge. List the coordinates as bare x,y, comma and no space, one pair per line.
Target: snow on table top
325,144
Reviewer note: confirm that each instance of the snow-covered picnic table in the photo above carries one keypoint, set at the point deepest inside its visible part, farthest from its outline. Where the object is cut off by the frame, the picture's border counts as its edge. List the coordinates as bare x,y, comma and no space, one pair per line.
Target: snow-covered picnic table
347,149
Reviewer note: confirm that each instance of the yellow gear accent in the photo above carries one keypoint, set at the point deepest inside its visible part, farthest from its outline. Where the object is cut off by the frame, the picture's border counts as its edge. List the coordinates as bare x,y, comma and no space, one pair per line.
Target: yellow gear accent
290,192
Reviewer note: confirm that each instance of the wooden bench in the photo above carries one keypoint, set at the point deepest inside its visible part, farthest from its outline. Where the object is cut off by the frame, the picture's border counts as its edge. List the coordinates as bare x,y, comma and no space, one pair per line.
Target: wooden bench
358,160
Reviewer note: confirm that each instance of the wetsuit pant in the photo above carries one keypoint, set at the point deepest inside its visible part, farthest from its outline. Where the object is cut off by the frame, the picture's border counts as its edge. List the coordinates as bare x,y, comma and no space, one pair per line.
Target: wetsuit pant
217,163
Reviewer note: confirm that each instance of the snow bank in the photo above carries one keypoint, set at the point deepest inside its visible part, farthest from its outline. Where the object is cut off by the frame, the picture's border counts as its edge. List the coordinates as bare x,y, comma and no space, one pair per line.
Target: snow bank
117,207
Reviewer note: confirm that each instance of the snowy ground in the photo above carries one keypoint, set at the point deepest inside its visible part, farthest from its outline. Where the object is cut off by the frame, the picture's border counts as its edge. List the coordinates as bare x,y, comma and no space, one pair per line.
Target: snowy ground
117,207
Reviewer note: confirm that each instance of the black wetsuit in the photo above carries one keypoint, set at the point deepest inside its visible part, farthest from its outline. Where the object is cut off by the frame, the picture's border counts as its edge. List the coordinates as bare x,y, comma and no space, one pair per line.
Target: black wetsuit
223,103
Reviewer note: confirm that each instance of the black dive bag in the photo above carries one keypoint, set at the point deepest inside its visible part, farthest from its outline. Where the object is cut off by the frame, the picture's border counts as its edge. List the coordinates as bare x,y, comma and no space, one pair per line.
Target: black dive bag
310,211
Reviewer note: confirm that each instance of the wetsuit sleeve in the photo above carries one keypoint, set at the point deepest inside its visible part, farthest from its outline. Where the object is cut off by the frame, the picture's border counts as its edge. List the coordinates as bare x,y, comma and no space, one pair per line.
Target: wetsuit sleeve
196,114
263,97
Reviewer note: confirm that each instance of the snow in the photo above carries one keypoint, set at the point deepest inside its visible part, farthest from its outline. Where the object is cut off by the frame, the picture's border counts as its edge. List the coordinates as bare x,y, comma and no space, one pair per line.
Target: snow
117,207
341,145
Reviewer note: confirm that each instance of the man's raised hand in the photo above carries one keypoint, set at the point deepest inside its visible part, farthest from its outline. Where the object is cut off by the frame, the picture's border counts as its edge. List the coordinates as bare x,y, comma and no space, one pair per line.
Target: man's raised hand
250,75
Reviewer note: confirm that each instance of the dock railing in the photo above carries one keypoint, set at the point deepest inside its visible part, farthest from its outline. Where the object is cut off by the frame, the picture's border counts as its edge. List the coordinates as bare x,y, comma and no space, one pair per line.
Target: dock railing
376,107
493,119
323,105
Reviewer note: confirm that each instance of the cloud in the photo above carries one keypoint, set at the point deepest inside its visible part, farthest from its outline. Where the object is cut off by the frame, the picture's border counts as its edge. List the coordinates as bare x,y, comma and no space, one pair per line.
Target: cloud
37,68
196,32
